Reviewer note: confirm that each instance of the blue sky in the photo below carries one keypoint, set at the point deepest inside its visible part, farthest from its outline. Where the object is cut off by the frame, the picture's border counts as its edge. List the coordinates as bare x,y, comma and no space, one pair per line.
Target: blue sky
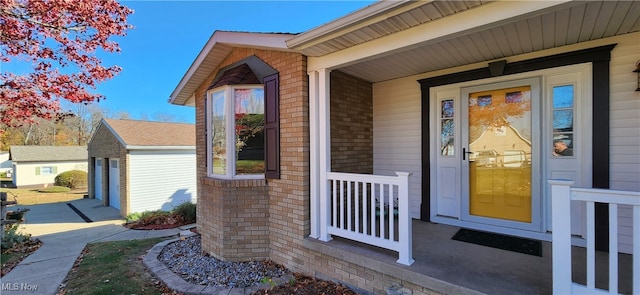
168,35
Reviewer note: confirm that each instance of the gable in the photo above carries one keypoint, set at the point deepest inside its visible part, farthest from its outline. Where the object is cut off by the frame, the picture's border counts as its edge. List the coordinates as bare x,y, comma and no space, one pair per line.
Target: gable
104,142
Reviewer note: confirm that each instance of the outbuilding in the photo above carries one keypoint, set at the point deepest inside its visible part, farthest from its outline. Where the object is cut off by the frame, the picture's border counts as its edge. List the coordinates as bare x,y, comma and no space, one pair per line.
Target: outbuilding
138,166
36,166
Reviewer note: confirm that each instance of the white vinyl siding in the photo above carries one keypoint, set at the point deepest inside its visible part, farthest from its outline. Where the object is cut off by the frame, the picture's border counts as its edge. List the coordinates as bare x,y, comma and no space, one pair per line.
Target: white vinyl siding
30,173
396,134
625,129
161,180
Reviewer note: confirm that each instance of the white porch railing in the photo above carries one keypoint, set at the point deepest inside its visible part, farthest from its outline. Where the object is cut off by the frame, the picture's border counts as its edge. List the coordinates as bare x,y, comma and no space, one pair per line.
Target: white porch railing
561,196
371,209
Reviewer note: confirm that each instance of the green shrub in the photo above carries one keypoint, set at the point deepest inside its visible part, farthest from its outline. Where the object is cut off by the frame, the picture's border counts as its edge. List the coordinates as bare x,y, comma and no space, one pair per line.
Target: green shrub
72,179
54,189
132,217
187,210
12,236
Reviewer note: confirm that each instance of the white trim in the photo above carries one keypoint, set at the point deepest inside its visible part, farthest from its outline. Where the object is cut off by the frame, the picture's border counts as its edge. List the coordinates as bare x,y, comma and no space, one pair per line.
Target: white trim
236,39
354,21
584,70
314,154
324,125
160,147
103,122
466,22
230,136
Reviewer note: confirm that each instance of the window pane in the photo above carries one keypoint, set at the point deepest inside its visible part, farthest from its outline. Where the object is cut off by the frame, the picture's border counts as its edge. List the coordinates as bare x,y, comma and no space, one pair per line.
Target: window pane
563,129
249,124
563,120
563,97
218,138
447,137
46,171
447,144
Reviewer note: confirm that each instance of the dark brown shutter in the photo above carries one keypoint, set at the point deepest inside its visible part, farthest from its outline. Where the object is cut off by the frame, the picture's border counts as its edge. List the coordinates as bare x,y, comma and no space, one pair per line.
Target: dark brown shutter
272,126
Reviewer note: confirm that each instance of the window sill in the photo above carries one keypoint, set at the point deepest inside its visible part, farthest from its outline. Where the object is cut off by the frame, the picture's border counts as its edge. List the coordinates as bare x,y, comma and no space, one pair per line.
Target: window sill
237,182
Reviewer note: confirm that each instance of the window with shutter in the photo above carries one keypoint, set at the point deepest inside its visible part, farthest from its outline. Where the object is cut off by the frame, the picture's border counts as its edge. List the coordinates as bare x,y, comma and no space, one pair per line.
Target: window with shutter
242,124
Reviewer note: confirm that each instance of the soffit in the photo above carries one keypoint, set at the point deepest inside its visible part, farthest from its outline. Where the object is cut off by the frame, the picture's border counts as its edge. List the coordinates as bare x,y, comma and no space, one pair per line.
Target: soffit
561,25
391,17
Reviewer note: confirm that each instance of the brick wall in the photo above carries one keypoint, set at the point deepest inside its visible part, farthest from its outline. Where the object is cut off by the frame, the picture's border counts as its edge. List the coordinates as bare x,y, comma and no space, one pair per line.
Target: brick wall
234,227
244,220
274,210
104,145
351,124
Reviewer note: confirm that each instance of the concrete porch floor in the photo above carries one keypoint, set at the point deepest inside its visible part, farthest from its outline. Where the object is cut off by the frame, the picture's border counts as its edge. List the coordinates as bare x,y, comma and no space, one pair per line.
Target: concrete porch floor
453,267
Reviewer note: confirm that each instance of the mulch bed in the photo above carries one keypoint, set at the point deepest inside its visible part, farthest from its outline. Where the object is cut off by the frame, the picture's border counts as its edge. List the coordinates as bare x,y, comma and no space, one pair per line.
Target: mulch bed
160,221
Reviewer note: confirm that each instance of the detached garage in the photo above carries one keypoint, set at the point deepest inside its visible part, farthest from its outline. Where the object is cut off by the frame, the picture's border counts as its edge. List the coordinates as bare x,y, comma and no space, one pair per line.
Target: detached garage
138,166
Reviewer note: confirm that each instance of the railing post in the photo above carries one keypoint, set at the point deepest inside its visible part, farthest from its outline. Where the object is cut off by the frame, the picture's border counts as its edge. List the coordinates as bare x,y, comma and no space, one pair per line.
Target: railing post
404,220
561,235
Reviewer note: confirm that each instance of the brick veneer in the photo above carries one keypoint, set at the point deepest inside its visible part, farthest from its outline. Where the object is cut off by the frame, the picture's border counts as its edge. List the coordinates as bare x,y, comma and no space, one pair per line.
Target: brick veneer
235,224
243,220
248,220
104,145
351,124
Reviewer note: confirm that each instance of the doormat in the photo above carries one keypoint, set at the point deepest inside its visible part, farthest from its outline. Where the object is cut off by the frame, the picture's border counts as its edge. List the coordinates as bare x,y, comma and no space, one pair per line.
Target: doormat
509,243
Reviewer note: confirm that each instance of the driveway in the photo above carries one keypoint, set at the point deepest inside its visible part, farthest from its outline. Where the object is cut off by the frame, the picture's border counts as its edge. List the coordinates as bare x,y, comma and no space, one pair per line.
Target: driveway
64,233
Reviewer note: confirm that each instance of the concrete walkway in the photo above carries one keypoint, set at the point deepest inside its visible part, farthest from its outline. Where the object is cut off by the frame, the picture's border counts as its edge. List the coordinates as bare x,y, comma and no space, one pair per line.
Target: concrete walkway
64,234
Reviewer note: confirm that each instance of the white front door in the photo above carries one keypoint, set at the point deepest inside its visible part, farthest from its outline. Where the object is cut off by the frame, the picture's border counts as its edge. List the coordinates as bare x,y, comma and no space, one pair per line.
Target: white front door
495,148
97,187
114,183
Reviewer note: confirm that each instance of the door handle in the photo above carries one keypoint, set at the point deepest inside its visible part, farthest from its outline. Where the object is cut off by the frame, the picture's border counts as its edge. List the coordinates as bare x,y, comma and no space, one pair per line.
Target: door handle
464,153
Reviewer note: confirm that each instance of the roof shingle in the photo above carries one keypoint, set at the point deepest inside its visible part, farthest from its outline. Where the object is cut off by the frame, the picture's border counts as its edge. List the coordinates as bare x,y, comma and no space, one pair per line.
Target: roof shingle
148,133
35,153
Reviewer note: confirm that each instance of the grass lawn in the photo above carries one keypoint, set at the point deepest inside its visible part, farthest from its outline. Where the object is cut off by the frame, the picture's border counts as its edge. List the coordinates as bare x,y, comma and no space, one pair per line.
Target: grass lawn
33,197
114,268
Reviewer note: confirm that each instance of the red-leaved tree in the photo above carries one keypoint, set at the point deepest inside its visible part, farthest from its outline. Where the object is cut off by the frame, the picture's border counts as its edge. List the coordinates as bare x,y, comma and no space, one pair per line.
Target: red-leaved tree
59,38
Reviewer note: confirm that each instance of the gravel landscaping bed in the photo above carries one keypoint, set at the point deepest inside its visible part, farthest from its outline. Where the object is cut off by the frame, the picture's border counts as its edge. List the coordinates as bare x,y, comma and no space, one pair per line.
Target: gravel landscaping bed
187,260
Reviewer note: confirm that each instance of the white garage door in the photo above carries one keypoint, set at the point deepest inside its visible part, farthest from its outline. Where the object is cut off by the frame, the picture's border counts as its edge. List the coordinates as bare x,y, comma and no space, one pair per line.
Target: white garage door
114,183
97,187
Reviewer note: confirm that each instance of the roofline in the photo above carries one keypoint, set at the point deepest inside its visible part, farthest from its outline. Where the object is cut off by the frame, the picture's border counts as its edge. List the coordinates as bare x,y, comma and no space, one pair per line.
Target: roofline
113,132
160,147
50,161
272,41
353,21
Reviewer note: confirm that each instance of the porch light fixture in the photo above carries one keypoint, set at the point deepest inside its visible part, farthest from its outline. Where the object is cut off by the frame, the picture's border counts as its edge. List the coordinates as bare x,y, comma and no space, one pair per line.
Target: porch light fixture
637,71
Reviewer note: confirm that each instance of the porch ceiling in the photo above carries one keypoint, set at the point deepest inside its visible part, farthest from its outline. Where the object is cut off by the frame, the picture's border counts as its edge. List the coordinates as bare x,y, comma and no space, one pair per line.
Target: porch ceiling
559,25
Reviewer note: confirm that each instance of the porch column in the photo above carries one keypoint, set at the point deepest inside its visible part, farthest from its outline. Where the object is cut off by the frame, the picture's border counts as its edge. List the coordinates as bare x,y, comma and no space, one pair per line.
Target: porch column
320,152
314,155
